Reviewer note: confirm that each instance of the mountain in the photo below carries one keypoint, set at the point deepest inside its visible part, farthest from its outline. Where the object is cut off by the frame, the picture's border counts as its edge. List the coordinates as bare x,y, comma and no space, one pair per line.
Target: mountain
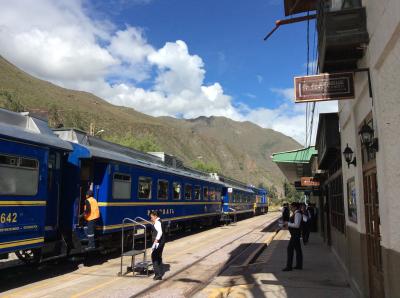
240,150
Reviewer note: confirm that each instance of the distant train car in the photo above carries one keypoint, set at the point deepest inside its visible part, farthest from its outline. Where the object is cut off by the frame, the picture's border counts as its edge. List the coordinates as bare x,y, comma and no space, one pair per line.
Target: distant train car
261,203
129,184
237,198
30,184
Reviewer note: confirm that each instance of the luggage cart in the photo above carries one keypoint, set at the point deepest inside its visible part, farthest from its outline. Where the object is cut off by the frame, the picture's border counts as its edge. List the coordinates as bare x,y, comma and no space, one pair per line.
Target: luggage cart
133,253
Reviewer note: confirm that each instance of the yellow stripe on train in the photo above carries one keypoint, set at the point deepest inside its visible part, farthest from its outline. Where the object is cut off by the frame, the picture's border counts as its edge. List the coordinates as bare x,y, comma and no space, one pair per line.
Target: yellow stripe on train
21,242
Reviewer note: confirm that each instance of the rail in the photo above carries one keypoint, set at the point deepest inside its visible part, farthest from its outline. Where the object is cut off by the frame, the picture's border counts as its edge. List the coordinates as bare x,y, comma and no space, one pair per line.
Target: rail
132,253
234,214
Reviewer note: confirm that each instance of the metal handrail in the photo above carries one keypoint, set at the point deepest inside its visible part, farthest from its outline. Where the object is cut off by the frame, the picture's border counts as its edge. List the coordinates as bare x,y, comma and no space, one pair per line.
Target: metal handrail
124,221
142,219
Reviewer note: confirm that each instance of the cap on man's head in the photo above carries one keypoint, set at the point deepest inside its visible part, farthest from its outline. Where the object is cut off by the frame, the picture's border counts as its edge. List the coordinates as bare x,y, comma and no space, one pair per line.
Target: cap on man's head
89,193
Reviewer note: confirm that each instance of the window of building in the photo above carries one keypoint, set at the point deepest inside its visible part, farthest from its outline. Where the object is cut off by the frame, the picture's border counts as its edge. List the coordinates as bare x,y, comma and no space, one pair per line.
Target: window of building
162,190
197,193
337,203
144,189
19,176
188,192
121,188
177,190
205,193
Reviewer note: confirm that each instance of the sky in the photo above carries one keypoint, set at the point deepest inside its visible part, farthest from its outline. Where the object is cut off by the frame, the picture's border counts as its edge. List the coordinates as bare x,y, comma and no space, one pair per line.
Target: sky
179,58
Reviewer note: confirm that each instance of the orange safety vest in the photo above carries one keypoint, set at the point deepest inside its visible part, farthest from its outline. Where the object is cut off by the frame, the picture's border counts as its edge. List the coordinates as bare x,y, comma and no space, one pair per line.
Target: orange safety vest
94,210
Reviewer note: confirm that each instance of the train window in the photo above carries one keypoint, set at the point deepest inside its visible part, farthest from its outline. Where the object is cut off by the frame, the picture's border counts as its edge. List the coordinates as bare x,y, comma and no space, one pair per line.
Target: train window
197,193
188,192
205,193
144,191
162,190
218,195
177,190
122,185
19,176
28,163
212,194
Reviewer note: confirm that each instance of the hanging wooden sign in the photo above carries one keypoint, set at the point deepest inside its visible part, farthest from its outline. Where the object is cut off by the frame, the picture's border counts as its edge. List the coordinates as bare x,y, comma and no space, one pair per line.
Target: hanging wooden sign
324,87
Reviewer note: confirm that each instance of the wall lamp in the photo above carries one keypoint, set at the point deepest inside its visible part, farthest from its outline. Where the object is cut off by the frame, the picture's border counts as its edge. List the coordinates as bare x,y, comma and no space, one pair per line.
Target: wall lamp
348,156
367,138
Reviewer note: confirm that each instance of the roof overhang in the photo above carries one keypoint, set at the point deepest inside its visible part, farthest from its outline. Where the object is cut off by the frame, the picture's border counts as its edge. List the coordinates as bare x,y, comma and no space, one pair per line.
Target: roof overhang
299,6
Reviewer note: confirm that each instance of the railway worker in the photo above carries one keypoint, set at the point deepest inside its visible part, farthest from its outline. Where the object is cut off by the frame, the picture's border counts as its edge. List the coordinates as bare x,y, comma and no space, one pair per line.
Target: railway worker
294,243
91,214
158,236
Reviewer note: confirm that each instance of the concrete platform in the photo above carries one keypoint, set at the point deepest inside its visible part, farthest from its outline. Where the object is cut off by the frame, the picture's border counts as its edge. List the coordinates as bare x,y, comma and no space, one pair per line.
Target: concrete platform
321,277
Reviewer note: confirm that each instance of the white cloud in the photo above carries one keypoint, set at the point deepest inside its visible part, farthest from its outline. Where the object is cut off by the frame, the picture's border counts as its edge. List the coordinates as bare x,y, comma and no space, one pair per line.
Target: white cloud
286,93
57,41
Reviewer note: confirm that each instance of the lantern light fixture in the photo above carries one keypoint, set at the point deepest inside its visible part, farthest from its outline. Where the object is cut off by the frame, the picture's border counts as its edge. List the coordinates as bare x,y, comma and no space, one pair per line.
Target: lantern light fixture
367,138
348,156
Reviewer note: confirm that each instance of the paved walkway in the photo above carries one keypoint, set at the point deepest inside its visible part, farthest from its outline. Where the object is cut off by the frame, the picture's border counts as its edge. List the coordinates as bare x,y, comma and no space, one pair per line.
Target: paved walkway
321,277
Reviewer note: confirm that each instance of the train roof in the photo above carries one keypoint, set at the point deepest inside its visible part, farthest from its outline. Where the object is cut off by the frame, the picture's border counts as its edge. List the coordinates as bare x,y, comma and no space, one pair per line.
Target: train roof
21,126
106,150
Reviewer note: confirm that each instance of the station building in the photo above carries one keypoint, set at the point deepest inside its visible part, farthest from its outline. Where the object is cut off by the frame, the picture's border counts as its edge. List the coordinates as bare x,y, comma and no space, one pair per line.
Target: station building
358,160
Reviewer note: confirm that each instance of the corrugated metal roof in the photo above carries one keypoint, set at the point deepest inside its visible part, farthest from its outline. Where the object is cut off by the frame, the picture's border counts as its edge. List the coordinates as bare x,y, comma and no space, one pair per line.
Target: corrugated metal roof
21,126
302,155
109,151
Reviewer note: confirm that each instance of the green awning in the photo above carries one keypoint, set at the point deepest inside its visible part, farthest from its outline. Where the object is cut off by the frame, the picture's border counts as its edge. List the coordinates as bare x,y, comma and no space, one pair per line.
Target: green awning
296,156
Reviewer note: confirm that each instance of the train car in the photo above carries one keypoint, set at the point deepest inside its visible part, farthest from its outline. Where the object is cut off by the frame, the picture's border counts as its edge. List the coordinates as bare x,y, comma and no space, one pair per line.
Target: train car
261,203
237,198
30,183
129,184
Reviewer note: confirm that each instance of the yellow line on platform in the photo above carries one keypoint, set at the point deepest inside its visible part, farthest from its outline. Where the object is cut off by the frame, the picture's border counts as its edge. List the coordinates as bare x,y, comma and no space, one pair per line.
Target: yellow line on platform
95,288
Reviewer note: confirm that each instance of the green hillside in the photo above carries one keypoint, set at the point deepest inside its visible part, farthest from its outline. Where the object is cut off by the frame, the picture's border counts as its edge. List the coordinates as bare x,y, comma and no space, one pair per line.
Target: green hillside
241,150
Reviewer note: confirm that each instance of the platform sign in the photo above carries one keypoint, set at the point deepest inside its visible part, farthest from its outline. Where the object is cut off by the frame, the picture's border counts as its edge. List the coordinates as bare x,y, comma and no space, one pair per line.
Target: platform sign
309,181
324,87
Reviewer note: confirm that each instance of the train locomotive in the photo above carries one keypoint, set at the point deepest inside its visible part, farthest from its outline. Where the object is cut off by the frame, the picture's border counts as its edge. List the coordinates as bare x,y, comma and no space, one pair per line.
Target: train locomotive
45,175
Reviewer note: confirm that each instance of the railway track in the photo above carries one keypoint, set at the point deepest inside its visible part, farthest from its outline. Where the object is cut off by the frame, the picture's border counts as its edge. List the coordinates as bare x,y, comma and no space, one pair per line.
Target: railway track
201,249
193,270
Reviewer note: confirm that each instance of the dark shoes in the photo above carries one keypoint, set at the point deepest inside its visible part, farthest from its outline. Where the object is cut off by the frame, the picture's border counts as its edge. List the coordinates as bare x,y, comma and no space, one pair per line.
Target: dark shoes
290,269
157,278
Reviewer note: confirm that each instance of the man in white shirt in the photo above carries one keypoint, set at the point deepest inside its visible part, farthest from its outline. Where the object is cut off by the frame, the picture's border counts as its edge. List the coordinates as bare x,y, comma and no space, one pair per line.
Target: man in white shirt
294,243
158,237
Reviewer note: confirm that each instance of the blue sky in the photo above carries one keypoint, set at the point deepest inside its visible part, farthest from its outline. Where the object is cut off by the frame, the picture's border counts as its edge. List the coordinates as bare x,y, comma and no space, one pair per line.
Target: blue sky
228,36
181,58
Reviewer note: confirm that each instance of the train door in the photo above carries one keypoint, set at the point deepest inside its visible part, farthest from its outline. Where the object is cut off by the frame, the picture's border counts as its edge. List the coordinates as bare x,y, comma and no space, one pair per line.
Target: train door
53,191
85,184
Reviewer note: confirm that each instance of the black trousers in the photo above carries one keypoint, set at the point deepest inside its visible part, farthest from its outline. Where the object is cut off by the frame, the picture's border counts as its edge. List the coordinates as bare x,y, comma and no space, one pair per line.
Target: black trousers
305,231
294,244
91,225
156,258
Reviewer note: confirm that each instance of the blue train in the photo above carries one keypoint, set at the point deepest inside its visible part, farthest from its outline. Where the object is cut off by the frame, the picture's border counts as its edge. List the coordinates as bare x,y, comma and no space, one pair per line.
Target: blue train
45,174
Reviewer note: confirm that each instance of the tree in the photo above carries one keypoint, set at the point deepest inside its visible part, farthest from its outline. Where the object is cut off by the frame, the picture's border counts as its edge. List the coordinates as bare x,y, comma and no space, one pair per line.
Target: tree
146,143
206,167
290,192
10,101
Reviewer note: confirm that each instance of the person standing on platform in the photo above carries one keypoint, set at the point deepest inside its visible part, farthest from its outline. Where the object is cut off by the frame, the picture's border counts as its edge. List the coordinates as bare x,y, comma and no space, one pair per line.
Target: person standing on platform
158,237
294,243
285,212
91,214
305,224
